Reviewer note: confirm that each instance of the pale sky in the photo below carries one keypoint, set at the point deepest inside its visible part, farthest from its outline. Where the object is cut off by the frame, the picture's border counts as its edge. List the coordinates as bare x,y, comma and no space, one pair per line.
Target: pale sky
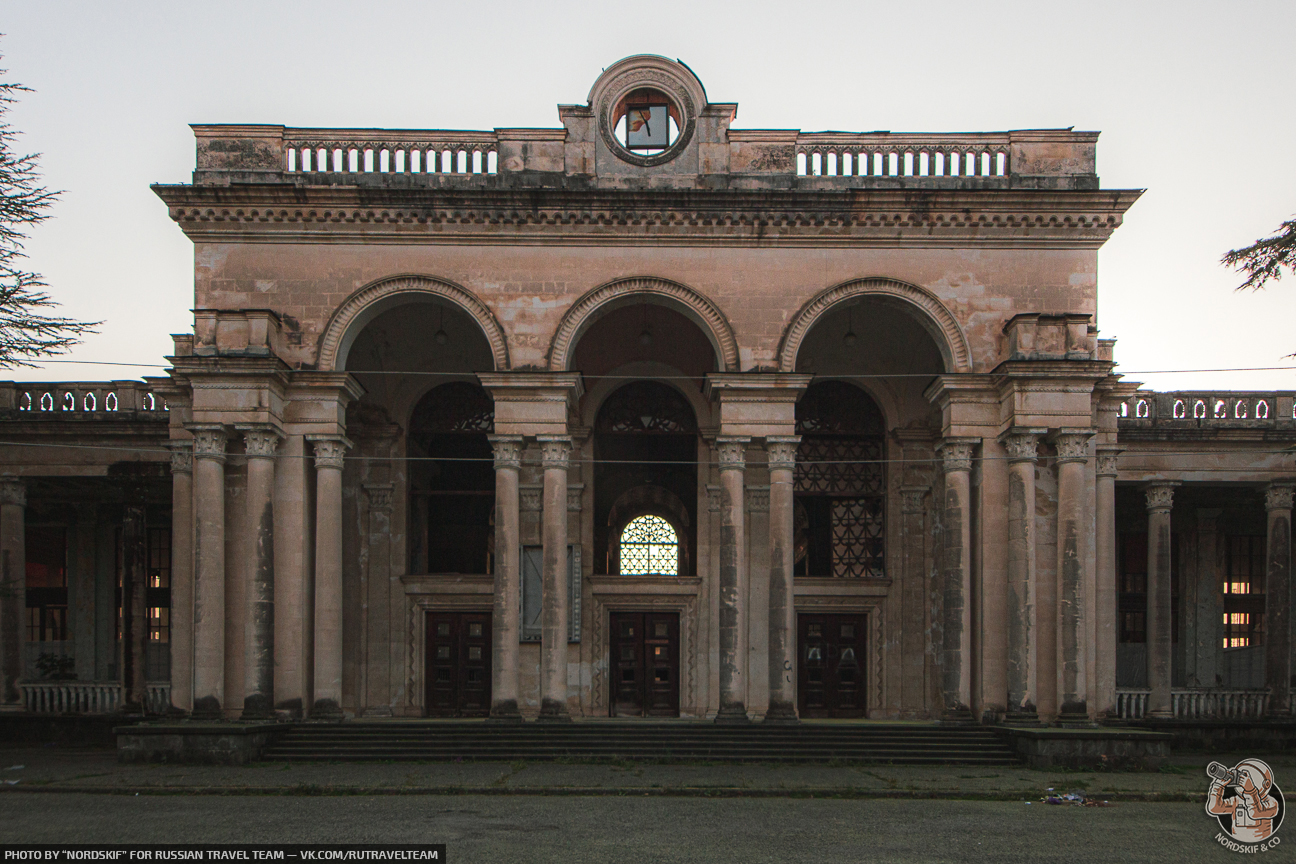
1192,98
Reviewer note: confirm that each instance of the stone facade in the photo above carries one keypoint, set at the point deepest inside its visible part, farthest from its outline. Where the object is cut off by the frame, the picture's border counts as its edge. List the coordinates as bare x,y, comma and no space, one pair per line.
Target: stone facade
399,404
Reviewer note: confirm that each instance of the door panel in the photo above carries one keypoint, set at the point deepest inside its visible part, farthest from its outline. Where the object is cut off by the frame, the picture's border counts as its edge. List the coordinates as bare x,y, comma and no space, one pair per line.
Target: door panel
645,664
458,666
831,670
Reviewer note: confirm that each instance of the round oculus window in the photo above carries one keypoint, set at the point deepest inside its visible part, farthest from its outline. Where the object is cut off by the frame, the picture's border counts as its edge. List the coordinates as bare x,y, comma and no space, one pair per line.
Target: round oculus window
647,127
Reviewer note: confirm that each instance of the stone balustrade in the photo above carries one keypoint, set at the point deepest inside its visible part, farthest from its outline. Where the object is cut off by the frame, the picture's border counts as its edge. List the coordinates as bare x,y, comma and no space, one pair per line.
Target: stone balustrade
81,400
379,151
1194,704
881,154
1223,409
89,697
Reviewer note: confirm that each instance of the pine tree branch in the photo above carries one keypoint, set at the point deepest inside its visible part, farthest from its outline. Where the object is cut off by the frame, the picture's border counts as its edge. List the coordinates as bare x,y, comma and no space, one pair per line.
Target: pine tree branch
1265,259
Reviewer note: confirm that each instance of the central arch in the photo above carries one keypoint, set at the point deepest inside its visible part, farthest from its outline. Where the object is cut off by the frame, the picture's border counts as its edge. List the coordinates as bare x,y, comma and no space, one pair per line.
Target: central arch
931,313
594,304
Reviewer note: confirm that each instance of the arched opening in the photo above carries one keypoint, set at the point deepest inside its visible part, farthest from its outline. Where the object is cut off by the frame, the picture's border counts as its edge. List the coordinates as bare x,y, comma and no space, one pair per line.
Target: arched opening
649,545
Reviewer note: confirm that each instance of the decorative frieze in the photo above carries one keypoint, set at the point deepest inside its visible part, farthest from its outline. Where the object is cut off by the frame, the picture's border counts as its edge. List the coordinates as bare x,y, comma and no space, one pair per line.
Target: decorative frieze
507,450
1278,496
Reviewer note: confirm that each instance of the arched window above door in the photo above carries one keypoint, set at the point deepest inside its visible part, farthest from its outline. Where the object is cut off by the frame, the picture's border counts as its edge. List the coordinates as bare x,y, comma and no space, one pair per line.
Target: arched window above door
649,545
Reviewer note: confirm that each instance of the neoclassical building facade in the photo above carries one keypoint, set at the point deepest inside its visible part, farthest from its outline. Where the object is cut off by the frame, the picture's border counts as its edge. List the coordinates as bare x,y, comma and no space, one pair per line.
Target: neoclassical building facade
645,415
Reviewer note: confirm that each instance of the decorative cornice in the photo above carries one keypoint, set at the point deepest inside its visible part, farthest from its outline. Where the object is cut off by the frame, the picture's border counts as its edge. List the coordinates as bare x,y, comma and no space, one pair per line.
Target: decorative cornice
1072,445
956,454
13,491
507,450
181,456
1160,496
731,452
555,451
259,442
330,450
209,442
781,451
1278,496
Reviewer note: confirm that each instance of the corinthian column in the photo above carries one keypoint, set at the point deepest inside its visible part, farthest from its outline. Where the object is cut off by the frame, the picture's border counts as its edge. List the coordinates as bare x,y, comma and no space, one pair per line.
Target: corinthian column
1278,663
508,580
13,589
330,451
555,450
956,458
209,575
258,659
733,543
782,556
1072,464
1105,580
181,642
1160,499
1021,445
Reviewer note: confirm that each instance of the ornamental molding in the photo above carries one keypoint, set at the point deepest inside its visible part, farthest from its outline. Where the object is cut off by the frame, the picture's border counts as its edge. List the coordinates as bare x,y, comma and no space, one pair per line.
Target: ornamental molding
589,308
507,450
684,602
13,492
932,314
1278,496
1160,496
362,306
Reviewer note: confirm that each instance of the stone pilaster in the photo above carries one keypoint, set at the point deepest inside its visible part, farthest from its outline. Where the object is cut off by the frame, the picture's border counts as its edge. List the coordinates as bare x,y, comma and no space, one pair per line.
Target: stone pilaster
260,445
1021,446
914,603
182,575
13,589
1072,651
1278,662
555,453
209,571
1105,583
781,452
134,546
508,580
1160,500
330,453
956,660
733,543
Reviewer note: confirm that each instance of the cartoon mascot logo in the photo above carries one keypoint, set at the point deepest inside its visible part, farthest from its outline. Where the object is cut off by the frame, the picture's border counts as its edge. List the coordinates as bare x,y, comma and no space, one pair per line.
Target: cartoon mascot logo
1245,800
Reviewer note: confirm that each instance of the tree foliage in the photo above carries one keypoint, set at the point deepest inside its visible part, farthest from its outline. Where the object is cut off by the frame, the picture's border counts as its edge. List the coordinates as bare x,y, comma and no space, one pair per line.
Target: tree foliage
28,331
1265,259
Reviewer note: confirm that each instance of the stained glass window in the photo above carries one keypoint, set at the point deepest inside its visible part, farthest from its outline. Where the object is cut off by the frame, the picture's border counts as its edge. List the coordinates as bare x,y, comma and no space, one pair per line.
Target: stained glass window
649,545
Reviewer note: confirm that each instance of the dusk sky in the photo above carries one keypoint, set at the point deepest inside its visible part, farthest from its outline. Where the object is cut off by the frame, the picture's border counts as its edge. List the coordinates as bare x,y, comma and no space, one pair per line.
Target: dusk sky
1192,99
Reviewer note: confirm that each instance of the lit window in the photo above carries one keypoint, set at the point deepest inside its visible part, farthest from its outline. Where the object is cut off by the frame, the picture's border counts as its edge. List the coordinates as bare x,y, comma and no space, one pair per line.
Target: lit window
649,545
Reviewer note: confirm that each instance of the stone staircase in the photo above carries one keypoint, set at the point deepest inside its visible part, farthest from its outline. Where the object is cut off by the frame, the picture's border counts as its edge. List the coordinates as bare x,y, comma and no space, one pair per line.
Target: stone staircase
899,744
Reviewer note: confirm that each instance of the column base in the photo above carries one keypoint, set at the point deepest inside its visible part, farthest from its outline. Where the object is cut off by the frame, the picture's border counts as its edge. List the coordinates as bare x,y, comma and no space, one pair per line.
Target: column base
328,710
781,714
1026,717
257,707
960,716
377,711
553,711
505,711
732,715
207,709
1074,715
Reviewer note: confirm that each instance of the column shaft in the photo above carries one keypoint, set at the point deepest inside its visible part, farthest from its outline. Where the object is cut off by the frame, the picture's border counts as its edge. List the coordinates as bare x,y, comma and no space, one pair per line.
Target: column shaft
956,684
782,558
733,543
182,575
1160,499
1072,462
13,589
554,601
1022,635
508,580
1105,581
258,630
209,572
329,454
134,615
1278,662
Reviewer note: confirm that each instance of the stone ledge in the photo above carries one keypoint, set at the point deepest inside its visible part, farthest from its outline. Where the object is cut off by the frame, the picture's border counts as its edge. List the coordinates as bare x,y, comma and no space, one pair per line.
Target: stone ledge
194,743
1116,749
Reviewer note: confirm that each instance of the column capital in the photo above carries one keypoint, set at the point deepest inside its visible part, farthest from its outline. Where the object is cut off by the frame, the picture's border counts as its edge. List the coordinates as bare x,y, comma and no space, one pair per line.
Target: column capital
1107,461
781,451
758,499
260,440
732,450
209,440
1278,495
507,450
13,491
1022,443
330,450
1160,495
555,451
380,496
911,498
956,453
1072,445
181,456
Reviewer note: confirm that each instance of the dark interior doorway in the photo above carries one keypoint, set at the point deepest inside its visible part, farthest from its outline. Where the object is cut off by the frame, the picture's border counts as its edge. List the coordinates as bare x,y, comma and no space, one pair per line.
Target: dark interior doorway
645,664
831,672
458,668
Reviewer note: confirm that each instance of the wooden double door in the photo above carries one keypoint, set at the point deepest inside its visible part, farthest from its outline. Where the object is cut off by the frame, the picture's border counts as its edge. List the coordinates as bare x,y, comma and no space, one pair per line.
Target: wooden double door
831,669
457,672
645,664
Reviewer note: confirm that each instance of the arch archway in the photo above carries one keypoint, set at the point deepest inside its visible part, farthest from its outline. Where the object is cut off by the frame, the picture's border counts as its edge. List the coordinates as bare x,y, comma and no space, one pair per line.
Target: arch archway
924,306
589,308
363,306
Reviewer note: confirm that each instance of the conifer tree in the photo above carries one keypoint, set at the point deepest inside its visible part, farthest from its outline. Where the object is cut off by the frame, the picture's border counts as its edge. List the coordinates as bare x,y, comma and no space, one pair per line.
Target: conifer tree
1265,259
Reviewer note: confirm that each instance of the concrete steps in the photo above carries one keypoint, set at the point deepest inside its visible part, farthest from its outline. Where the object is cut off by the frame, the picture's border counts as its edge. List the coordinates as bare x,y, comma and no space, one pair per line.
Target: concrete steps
684,741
